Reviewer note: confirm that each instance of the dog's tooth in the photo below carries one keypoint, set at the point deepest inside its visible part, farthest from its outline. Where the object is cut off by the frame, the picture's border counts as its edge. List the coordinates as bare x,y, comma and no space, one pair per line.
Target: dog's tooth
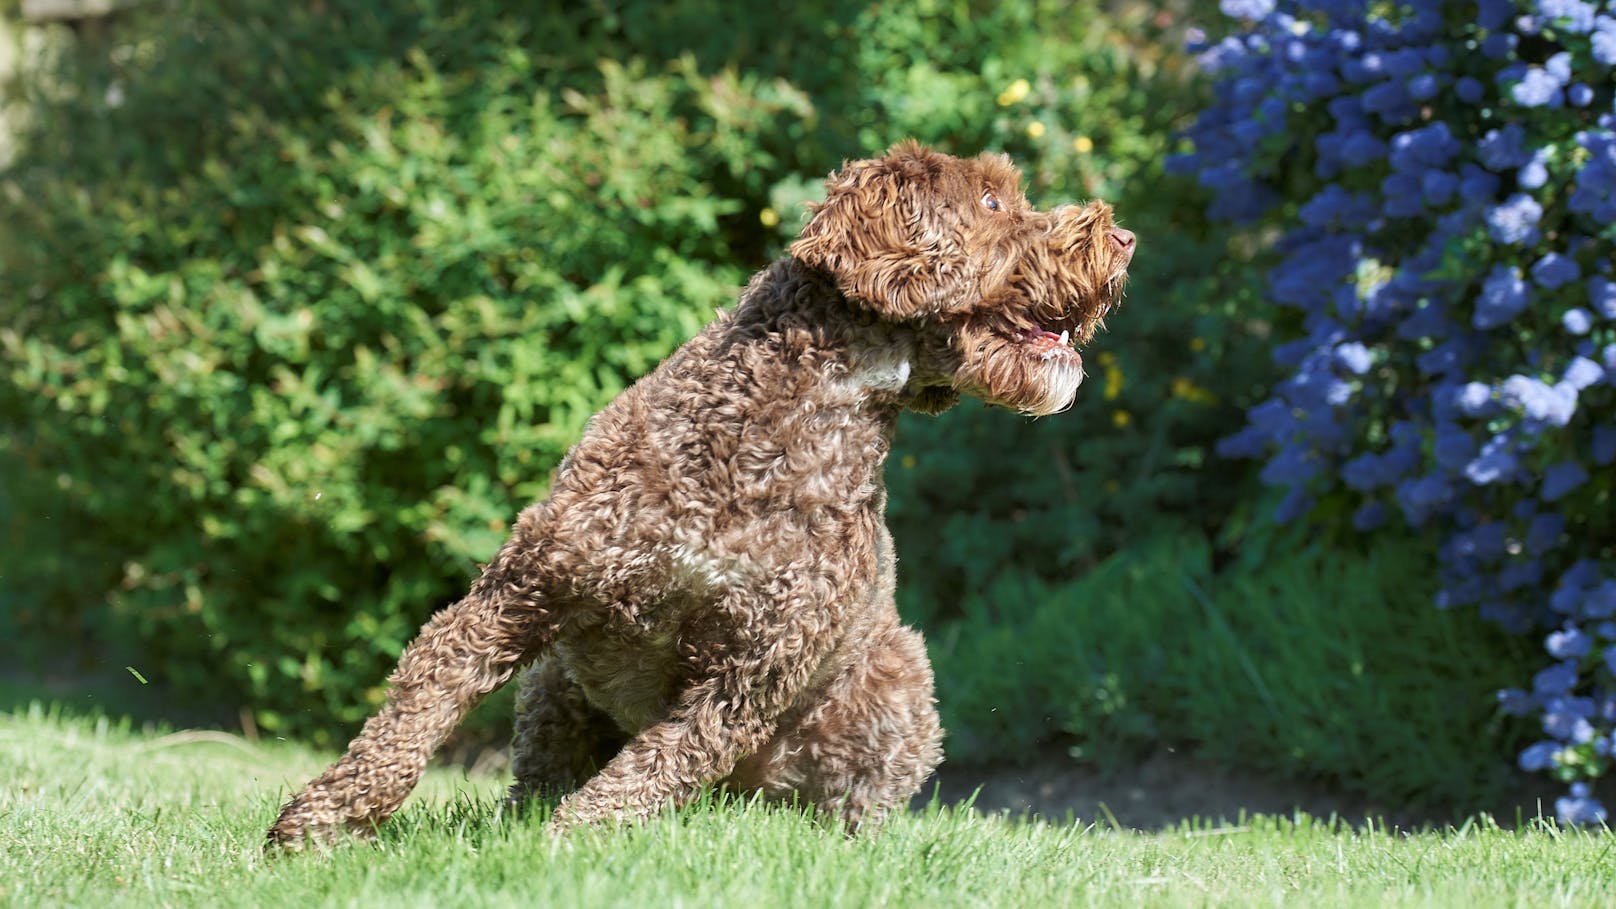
1066,337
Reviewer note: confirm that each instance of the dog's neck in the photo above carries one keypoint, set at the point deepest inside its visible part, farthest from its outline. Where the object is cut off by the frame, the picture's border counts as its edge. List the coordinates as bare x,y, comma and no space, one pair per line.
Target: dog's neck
879,365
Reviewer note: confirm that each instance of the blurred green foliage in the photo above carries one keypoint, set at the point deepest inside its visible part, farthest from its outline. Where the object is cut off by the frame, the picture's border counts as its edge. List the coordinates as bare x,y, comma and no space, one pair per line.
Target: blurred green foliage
300,303
1295,660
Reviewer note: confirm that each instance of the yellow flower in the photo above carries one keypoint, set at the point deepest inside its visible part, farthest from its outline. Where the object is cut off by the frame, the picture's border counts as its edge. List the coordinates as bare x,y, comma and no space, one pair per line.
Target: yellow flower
1035,130
1197,344
908,462
1113,378
769,217
1014,92
1187,390
1121,419
1083,145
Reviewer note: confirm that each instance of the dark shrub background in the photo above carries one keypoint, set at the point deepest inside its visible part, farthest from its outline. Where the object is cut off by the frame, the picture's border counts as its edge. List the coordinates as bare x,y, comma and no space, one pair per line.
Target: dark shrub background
300,303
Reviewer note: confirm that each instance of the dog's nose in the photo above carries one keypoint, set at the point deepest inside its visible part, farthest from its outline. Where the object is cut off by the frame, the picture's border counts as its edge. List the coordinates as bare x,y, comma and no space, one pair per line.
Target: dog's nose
1124,241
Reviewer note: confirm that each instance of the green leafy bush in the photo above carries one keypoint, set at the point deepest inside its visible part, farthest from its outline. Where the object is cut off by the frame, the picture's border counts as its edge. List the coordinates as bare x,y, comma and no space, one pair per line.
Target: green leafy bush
282,393
1298,660
301,303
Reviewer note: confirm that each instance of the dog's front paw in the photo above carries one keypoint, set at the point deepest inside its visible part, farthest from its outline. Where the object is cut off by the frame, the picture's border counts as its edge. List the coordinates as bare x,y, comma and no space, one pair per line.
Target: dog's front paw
579,810
567,817
303,823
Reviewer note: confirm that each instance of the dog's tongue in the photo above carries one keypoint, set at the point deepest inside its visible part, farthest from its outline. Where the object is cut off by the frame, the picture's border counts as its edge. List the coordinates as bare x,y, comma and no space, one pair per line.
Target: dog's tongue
1054,344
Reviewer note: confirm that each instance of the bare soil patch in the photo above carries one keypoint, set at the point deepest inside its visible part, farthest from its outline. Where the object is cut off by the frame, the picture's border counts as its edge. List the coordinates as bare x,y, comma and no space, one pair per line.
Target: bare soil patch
1170,787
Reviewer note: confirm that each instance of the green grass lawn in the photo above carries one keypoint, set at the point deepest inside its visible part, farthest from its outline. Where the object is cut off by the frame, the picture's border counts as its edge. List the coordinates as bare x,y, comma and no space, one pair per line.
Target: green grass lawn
94,814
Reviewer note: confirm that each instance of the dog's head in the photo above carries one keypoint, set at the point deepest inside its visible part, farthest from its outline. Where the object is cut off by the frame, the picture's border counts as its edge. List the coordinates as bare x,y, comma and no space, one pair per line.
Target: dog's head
998,292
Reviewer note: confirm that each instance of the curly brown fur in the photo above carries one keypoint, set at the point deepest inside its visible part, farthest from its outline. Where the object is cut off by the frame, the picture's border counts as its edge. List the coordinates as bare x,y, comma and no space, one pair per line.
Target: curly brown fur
707,594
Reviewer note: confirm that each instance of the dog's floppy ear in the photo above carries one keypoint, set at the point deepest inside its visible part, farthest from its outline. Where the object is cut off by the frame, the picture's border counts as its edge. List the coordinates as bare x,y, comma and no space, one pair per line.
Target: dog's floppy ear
881,232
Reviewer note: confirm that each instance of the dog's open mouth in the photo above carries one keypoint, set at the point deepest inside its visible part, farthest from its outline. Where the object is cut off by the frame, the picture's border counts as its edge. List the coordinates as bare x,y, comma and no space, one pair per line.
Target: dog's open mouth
1020,363
1046,345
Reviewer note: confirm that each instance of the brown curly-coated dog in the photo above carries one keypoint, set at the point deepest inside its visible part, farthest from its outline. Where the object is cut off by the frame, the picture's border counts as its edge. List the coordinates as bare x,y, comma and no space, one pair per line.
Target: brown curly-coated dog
707,595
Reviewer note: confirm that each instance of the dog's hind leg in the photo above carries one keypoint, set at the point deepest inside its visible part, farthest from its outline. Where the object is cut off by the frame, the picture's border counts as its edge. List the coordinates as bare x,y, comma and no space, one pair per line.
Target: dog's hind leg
867,746
750,673
463,653
560,738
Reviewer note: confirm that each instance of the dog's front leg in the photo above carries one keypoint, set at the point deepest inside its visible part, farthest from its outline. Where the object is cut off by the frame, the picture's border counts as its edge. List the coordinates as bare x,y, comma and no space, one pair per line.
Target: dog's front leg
463,653
730,711
714,725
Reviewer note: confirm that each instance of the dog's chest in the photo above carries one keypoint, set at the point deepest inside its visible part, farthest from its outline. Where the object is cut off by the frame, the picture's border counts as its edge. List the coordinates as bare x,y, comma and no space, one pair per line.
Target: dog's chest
634,656
633,678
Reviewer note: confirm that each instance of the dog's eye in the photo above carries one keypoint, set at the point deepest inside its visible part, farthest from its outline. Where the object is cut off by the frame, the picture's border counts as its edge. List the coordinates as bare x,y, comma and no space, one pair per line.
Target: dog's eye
991,202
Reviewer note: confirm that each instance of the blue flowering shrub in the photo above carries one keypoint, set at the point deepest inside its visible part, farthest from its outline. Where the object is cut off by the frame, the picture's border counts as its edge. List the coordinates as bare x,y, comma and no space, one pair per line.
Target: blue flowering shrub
1442,178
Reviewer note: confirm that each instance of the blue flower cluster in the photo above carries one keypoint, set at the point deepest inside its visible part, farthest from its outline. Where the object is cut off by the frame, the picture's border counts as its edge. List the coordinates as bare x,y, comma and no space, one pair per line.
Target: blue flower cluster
1445,178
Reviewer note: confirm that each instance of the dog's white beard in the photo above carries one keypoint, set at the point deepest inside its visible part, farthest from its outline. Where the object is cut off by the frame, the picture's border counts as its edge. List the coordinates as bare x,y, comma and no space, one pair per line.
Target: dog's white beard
1059,388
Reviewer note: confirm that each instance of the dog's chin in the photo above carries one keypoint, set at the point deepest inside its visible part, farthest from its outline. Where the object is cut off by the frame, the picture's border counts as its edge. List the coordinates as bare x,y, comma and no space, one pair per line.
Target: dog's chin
1056,391
1036,374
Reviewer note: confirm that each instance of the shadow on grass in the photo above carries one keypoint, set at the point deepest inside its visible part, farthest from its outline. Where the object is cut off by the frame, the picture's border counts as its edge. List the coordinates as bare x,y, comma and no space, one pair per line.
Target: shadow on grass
1170,788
